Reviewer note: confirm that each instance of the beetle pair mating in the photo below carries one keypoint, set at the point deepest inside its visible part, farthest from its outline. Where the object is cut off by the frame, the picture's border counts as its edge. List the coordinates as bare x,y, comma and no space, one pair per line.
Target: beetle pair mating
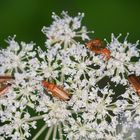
97,46
5,83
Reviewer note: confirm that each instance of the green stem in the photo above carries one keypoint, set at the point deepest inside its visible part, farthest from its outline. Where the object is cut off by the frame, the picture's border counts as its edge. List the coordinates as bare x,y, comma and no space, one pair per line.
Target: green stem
35,118
49,133
55,132
60,131
100,78
39,132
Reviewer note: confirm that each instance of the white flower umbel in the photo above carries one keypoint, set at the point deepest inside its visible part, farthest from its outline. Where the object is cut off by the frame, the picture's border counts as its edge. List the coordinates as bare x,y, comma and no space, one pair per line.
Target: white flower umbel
54,111
19,127
65,29
95,104
120,65
16,56
18,60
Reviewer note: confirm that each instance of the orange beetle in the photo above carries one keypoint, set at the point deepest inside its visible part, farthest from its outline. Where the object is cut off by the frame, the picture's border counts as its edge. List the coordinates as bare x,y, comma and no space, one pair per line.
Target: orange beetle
56,91
135,82
96,45
106,52
5,83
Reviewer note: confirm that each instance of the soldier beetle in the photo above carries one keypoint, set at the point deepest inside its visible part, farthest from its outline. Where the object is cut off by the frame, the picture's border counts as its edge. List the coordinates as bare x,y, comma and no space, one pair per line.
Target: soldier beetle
56,91
96,45
5,83
135,82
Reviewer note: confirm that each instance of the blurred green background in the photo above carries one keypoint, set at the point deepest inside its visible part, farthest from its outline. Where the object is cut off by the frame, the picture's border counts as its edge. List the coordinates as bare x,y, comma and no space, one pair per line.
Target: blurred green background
25,18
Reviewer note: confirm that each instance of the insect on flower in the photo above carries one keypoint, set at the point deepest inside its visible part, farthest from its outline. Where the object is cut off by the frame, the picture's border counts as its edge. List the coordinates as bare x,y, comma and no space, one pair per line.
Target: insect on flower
135,82
5,83
56,91
96,45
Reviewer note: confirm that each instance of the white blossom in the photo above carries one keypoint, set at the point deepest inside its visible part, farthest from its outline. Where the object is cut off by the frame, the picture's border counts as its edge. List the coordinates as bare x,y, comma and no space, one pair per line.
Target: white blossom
97,109
65,29
120,65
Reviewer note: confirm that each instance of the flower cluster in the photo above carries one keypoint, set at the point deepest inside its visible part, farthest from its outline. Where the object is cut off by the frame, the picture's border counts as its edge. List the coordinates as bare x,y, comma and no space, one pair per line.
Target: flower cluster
97,108
65,29
121,63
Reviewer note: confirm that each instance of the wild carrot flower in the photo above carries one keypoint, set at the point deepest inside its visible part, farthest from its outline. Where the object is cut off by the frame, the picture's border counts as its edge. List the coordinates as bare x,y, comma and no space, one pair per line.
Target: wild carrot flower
96,110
